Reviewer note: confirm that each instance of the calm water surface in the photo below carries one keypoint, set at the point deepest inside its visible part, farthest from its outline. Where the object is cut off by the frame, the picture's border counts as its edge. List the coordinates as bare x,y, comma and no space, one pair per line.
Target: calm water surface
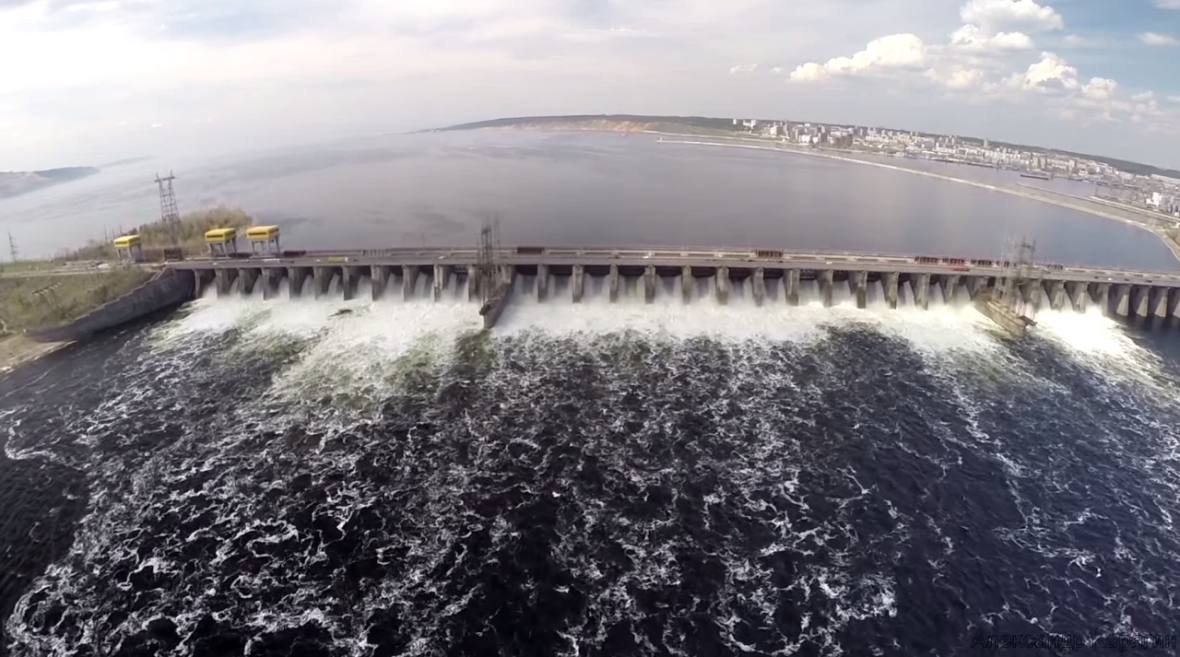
585,189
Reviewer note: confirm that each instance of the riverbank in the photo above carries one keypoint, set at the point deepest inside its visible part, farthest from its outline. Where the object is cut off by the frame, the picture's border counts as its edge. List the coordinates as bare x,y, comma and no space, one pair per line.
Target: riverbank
17,350
1156,226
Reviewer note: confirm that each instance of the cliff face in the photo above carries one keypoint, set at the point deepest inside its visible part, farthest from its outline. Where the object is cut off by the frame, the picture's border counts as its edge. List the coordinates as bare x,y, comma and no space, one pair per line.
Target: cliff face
21,182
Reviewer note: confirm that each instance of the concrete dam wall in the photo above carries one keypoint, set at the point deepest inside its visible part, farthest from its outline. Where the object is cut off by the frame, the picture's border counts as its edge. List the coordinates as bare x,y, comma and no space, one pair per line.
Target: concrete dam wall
169,288
686,284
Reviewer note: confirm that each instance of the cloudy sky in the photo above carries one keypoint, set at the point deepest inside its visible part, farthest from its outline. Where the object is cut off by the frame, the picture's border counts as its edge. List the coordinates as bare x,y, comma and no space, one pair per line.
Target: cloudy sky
85,82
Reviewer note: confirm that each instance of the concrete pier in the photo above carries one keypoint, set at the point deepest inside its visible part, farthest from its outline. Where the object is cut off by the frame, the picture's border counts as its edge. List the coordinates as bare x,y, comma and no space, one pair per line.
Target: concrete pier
296,278
723,285
891,289
542,282
271,278
649,284
1079,294
1123,300
791,282
473,282
380,278
686,284
322,276
1160,303
1057,295
950,289
578,284
759,286
860,282
441,274
613,282
825,287
1102,297
921,286
409,281
350,280
1142,300
225,281
1173,301
248,279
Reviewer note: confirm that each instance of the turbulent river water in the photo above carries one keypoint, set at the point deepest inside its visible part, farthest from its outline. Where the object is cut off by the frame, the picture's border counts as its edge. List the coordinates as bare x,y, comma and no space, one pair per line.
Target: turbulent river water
281,478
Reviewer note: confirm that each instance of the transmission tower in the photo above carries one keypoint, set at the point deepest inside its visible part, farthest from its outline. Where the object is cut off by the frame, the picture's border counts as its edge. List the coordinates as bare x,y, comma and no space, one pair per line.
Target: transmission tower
487,268
169,213
12,246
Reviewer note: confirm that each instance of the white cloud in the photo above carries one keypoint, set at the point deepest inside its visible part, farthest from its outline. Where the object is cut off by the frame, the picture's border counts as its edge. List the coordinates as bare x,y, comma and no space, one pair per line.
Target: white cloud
1174,99
1168,4
1157,39
1100,89
1144,97
971,38
992,15
1051,73
897,51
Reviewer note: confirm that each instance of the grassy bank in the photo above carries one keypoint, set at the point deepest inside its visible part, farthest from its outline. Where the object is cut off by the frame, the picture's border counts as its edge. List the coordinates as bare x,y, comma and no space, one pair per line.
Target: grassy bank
39,302
188,235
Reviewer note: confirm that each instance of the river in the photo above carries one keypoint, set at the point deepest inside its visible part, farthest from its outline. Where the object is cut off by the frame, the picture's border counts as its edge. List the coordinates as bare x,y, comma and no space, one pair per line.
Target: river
601,189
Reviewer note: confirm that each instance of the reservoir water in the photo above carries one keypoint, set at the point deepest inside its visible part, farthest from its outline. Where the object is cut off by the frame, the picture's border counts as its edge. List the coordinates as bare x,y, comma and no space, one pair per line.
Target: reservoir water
275,478
599,189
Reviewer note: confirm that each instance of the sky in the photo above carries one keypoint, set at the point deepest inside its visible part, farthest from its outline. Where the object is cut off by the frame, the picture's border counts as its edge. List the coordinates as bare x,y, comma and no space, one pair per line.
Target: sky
84,82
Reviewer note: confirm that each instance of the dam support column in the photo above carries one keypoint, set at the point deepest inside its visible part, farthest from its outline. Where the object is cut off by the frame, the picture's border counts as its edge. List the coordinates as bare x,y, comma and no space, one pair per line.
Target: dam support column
578,282
225,281
686,284
1173,301
723,285
202,279
379,274
442,273
1079,293
1122,300
542,282
649,284
1102,297
791,284
950,289
409,281
323,281
350,280
861,278
271,277
921,286
1161,302
1057,295
473,282
248,277
297,278
1142,300
891,289
825,287
759,286
613,283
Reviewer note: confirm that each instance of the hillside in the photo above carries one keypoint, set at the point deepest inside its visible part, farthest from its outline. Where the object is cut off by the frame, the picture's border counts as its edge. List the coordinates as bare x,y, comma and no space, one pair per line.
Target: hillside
13,183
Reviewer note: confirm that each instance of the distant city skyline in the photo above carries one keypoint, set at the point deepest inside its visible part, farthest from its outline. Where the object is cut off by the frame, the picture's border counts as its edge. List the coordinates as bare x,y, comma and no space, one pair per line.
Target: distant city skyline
85,81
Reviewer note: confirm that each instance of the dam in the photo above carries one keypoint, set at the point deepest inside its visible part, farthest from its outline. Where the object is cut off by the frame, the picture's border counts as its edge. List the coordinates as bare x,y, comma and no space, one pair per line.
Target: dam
764,276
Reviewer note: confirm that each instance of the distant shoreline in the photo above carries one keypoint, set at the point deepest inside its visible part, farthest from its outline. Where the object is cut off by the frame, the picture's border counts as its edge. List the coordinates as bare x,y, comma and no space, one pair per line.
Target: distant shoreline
1059,199
1132,216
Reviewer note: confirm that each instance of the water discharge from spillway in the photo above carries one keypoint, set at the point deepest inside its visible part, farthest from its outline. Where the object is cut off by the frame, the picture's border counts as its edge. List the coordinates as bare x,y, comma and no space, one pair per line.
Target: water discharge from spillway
603,478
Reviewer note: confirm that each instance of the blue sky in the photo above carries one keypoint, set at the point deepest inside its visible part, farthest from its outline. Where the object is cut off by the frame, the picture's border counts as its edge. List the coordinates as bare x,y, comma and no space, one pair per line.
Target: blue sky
85,81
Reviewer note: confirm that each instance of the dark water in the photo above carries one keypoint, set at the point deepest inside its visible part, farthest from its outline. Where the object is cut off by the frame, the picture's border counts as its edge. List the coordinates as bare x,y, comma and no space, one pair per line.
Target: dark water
593,480
585,189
